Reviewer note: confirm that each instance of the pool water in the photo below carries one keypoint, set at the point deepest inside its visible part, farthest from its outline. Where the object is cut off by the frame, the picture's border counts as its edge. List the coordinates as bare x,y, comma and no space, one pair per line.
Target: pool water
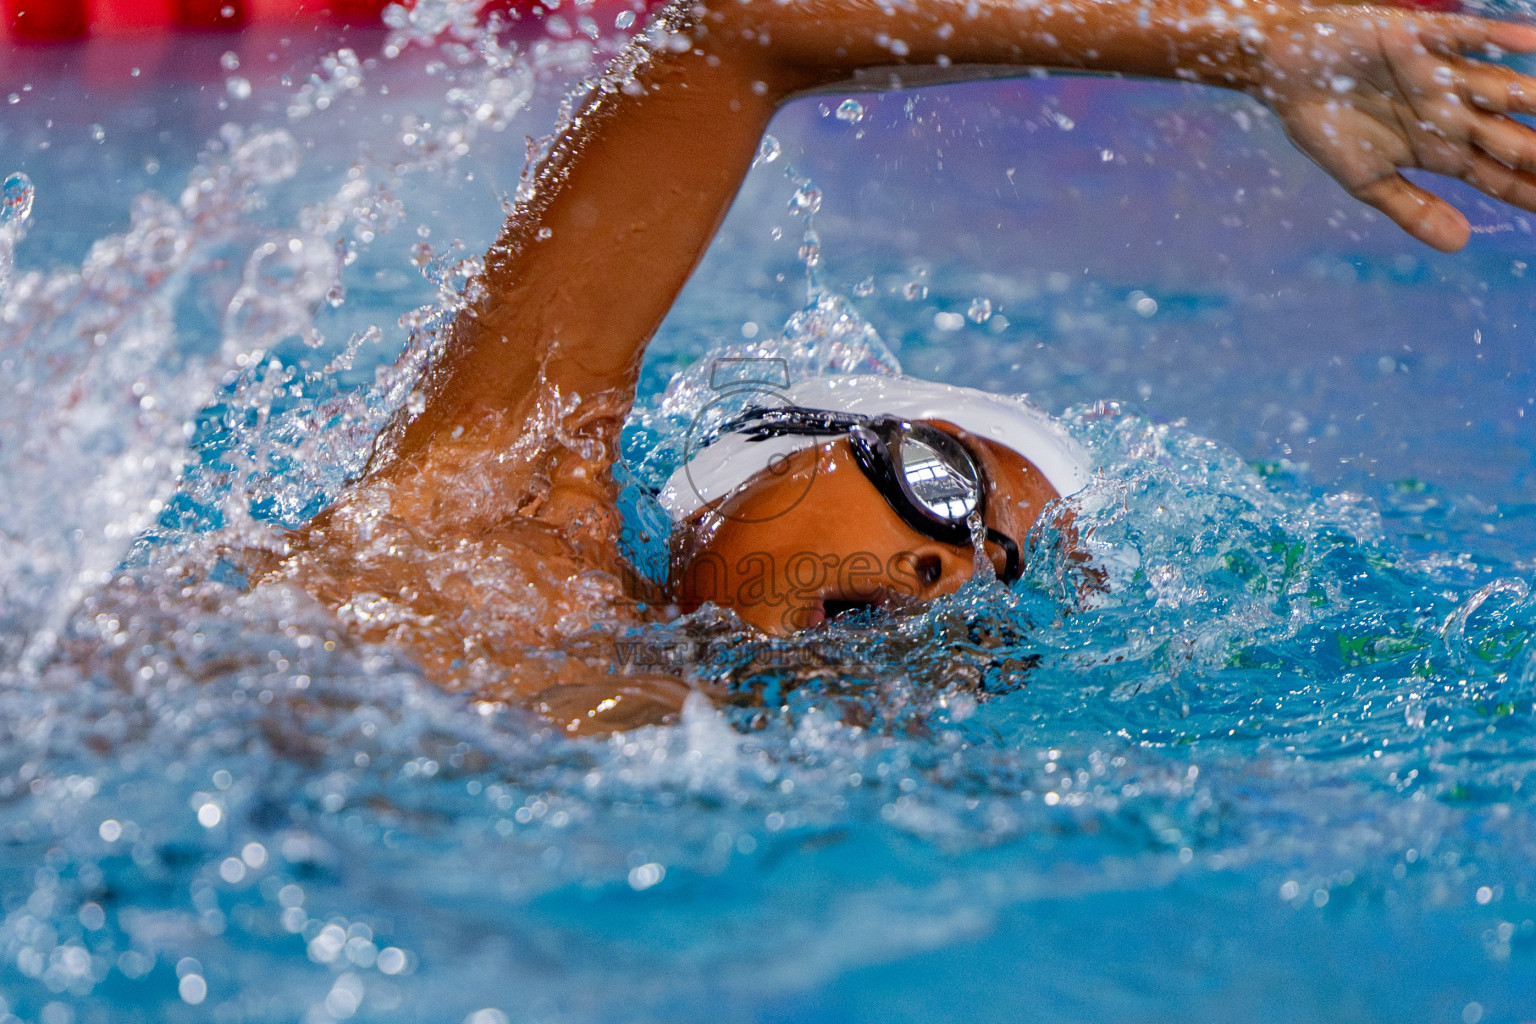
1279,771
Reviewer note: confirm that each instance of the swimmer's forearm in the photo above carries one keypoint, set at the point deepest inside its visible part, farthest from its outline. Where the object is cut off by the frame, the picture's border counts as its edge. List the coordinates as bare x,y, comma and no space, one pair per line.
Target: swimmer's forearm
1211,41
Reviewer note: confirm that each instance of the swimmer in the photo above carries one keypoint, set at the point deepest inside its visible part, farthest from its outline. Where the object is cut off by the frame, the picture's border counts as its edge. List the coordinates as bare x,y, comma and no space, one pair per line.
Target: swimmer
483,537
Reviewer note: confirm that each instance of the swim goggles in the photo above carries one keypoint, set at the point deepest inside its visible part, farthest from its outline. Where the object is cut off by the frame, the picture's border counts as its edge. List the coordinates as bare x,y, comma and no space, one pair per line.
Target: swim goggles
928,477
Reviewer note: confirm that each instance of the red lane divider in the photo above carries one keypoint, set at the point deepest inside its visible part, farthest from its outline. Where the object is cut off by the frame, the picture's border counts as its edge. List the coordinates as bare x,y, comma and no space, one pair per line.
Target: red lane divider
48,20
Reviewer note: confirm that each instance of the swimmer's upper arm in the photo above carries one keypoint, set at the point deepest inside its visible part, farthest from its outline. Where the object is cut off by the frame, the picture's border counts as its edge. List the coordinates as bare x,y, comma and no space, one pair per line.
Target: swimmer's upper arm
582,277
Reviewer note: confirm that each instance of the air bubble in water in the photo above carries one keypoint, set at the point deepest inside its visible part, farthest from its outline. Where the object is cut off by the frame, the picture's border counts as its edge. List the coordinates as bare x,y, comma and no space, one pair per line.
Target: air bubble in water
980,311
806,201
768,150
16,198
851,111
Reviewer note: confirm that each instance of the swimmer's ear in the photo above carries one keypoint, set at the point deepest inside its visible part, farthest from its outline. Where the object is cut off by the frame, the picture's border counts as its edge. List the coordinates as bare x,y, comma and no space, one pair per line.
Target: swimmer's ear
613,705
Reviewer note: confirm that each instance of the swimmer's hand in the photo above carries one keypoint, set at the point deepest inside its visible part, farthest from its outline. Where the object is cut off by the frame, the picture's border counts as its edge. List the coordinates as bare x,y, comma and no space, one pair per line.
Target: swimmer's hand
1366,91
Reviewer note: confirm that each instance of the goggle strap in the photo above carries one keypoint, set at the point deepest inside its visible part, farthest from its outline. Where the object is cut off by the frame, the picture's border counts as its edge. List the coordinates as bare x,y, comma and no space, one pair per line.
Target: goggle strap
762,424
1011,568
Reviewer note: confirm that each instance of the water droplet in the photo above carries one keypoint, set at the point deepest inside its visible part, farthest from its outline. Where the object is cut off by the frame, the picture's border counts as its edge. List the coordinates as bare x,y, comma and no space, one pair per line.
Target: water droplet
98,133
810,249
865,288
192,989
806,201
624,19
980,311
775,232
17,200
16,197
948,321
545,234
646,875
230,61
1144,304
238,87
767,151
851,111
269,157
914,290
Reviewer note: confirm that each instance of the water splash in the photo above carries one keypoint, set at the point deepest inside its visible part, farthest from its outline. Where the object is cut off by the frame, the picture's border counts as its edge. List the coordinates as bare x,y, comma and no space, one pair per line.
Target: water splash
339,74
768,151
16,195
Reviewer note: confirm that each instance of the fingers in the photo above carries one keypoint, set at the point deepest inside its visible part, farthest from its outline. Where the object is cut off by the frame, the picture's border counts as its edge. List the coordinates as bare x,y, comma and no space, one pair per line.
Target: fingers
1498,90
1509,142
1509,37
1487,175
1454,33
1420,213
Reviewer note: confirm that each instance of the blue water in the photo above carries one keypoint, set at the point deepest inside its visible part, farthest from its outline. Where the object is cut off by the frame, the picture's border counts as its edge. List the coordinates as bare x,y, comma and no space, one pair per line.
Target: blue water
1278,772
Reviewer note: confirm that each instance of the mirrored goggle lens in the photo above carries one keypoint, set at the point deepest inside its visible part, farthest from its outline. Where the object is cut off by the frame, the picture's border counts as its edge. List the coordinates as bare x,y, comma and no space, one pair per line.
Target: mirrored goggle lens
943,487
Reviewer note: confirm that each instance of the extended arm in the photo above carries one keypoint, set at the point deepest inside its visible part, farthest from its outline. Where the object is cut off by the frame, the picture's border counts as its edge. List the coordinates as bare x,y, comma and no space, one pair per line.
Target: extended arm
628,200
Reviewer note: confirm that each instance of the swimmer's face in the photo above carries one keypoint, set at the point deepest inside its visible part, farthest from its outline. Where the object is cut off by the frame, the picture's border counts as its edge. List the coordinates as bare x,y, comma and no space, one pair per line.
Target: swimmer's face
811,537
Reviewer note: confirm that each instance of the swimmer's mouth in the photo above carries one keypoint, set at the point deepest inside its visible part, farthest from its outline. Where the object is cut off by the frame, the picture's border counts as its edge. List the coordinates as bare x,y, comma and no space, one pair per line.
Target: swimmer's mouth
838,606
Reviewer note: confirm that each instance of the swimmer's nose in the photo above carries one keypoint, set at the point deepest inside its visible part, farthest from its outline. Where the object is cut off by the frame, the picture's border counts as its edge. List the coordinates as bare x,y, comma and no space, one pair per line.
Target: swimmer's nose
936,569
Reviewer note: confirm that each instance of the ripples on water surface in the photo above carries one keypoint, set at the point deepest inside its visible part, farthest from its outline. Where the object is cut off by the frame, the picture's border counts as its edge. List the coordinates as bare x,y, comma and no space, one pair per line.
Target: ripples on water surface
1280,773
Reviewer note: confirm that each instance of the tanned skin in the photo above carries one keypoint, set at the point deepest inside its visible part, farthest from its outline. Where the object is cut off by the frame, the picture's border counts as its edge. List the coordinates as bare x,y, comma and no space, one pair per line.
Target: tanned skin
484,535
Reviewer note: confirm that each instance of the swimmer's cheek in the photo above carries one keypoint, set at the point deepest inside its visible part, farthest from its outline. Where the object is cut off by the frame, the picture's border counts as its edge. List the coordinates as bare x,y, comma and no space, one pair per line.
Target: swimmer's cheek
615,704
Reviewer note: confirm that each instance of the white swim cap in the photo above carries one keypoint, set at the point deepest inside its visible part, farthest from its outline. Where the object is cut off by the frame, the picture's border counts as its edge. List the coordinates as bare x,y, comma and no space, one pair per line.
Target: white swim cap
715,471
